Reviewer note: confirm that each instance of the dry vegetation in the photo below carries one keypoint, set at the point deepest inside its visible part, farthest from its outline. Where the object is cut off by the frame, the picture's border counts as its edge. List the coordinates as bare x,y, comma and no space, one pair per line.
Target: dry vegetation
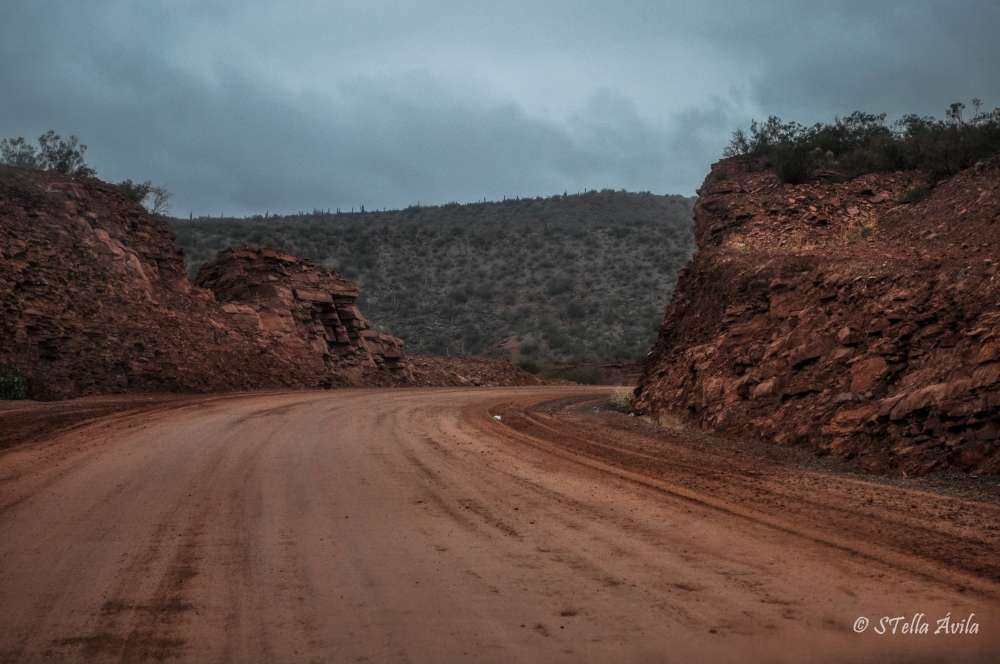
864,143
568,278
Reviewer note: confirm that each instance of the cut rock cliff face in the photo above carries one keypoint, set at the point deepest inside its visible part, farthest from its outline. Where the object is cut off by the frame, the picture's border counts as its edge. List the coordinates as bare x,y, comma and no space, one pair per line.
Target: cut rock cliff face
96,300
840,318
293,301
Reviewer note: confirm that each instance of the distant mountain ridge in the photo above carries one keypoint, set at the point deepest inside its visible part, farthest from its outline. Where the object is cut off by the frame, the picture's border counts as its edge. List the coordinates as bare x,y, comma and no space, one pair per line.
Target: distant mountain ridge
582,277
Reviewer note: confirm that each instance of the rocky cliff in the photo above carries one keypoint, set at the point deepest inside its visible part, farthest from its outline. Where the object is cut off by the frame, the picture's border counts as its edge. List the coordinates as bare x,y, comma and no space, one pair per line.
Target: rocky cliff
95,299
857,319
297,304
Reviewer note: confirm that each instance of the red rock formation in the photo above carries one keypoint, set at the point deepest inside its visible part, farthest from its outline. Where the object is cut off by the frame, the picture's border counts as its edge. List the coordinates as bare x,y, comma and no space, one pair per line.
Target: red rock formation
303,308
95,300
840,318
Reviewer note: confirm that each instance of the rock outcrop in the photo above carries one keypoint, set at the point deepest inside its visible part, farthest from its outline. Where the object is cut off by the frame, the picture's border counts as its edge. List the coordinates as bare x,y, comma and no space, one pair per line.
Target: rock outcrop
95,299
841,318
304,308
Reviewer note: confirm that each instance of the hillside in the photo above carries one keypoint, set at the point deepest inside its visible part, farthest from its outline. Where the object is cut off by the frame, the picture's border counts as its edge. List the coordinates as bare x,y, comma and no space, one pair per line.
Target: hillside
568,278
849,317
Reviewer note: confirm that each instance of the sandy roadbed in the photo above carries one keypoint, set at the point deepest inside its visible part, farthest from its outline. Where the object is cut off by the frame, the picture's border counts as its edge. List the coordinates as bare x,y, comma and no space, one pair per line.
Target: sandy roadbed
410,526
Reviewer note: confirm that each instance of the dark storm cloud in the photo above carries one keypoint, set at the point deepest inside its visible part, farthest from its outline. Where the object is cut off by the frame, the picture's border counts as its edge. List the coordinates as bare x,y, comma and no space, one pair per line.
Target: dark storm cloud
819,59
241,107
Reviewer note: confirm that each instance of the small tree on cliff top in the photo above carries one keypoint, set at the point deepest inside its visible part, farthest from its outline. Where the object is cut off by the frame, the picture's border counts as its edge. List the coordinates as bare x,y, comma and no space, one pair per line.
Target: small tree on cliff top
52,154
140,191
55,154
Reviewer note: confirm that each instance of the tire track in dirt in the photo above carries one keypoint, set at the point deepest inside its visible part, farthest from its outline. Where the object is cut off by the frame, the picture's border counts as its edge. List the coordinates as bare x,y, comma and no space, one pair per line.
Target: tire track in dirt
970,555
409,525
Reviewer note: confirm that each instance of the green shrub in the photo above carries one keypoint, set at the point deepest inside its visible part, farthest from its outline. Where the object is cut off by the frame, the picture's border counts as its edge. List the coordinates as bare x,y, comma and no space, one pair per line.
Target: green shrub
140,191
559,285
863,143
621,399
530,366
586,376
581,375
459,296
794,163
52,154
12,384
575,310
917,194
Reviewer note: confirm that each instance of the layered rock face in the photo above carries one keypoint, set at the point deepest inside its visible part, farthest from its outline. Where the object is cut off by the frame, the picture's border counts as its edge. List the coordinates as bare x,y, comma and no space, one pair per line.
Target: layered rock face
299,305
95,299
840,318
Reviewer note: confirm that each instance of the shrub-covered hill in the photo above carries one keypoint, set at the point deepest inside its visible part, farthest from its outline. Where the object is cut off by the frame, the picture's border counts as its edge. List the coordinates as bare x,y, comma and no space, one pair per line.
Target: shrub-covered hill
583,277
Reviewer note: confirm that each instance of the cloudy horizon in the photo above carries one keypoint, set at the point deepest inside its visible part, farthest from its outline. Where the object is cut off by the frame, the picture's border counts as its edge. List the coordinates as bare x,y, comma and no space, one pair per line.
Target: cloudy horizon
242,107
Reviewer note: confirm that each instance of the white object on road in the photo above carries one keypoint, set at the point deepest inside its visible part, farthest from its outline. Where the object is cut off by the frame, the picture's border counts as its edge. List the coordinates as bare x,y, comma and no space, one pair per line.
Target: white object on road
496,417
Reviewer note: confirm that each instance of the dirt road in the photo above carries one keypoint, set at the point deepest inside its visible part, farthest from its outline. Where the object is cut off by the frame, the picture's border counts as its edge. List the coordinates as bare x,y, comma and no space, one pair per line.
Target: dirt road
411,526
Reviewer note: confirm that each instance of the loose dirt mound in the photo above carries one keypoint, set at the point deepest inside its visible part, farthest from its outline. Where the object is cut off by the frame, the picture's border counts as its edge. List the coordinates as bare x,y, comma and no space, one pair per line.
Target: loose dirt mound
840,318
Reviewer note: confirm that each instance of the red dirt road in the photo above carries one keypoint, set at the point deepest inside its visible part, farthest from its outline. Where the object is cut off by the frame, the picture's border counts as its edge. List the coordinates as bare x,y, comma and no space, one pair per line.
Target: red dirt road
410,526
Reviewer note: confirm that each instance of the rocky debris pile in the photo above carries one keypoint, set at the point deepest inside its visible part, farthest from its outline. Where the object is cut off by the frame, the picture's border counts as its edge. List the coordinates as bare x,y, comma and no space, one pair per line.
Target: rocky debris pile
434,370
302,307
857,319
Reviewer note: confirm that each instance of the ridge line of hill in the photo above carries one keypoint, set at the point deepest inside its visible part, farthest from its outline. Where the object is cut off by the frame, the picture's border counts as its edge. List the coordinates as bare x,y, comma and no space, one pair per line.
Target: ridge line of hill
570,278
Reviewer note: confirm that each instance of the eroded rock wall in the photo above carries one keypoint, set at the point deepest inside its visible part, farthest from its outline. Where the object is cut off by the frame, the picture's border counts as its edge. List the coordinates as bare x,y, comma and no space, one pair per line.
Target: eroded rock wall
95,299
304,308
840,318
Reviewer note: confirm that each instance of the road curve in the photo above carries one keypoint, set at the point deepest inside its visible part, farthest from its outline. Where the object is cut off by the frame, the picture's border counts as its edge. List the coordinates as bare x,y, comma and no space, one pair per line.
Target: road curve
411,526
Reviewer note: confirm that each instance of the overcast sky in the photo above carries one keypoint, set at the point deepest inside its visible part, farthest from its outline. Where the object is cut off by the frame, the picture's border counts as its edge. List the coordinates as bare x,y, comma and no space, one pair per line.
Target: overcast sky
242,107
